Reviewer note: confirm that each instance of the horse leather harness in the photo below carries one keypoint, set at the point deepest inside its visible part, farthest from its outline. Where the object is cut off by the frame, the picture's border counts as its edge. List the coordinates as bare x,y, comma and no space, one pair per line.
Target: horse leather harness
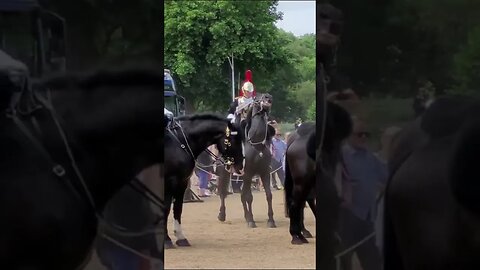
225,160
247,127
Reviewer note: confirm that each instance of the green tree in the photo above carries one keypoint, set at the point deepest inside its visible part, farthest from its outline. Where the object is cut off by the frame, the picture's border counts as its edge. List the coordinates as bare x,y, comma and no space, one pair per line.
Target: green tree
109,31
467,66
201,35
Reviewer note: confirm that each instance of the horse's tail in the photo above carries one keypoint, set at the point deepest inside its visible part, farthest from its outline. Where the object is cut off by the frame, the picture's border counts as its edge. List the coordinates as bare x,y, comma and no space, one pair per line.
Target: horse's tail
288,186
464,167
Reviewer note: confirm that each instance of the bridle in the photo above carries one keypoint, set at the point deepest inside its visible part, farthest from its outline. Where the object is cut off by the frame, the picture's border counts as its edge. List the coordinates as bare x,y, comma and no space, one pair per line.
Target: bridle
265,118
225,159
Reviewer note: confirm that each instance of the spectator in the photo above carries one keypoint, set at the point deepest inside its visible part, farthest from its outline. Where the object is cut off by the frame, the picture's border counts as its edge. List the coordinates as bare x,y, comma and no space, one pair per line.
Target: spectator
203,170
279,147
364,171
424,97
298,123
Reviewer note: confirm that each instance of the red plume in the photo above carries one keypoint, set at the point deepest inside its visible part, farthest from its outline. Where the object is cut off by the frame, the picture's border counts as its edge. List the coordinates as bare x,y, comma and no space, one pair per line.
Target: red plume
248,76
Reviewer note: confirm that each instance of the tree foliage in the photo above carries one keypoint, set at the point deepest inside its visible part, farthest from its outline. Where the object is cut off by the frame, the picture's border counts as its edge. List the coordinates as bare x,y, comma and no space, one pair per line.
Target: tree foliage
388,47
200,37
101,32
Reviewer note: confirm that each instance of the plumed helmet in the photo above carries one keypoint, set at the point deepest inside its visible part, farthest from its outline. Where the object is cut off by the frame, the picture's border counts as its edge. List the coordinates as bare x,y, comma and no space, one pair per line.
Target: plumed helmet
247,86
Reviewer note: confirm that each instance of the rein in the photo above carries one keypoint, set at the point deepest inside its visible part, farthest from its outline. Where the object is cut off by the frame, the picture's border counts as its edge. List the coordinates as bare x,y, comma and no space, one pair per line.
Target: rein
249,140
224,160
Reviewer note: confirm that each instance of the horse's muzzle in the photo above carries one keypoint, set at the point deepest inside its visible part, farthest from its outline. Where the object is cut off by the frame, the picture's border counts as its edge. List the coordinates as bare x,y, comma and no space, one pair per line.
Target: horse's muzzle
266,103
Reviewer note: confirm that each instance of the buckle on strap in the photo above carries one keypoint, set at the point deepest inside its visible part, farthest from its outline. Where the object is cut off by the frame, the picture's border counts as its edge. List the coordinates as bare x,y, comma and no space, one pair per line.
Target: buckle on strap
58,170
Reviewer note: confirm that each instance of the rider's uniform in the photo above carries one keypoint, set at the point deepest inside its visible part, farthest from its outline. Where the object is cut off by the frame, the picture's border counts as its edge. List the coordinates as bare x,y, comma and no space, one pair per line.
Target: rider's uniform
238,107
168,116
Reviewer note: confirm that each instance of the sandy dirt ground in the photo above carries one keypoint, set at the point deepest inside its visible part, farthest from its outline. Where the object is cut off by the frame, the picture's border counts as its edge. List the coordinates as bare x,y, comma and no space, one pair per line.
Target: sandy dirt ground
231,244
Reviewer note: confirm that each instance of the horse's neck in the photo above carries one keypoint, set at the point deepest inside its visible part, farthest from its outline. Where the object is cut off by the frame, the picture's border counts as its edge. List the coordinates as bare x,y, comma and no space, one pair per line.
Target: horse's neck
202,136
258,128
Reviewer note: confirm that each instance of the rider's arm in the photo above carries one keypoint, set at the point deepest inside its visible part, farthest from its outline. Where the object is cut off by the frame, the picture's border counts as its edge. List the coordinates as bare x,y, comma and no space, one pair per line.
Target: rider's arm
233,106
167,112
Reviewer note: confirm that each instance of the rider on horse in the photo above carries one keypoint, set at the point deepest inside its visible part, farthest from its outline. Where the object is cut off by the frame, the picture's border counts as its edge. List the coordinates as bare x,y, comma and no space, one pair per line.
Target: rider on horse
239,106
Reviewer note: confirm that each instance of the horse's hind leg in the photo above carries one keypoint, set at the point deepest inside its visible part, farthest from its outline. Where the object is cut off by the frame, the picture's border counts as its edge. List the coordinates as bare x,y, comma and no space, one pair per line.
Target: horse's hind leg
268,193
247,199
305,232
177,220
296,209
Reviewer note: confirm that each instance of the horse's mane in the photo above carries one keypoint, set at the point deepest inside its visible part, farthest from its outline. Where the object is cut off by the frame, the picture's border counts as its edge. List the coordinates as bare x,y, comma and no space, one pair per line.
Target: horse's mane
202,116
112,78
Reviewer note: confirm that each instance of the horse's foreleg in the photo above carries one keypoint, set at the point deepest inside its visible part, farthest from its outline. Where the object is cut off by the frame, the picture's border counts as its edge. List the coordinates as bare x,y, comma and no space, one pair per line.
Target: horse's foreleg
168,204
268,193
177,221
222,185
222,215
247,199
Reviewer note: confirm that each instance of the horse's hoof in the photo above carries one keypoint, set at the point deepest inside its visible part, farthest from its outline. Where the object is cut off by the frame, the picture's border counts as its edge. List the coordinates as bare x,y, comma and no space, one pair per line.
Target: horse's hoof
183,243
252,224
307,234
297,240
168,244
221,217
271,224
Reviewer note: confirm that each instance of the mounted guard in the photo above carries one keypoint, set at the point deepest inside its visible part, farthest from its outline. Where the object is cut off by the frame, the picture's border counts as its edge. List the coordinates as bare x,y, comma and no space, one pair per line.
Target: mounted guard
247,95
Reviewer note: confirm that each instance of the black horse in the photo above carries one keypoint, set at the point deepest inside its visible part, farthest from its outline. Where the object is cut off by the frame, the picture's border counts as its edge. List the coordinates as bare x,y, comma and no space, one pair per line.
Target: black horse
432,215
190,136
299,181
258,138
73,144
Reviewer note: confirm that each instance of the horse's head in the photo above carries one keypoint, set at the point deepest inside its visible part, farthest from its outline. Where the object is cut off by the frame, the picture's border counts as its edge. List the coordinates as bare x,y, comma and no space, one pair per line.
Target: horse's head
263,104
330,23
231,147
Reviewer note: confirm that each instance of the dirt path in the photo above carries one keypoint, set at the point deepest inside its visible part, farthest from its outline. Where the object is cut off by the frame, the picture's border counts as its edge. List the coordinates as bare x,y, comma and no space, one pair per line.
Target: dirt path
232,244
